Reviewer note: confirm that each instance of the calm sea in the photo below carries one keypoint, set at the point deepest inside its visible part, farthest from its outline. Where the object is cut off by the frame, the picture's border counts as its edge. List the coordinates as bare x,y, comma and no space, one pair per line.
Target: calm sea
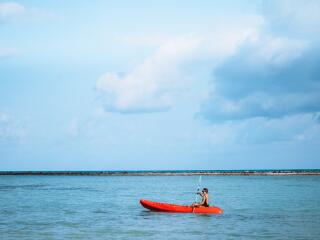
92,207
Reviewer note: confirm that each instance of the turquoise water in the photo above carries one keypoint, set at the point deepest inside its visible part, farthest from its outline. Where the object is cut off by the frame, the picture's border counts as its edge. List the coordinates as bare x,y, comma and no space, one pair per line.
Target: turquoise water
87,207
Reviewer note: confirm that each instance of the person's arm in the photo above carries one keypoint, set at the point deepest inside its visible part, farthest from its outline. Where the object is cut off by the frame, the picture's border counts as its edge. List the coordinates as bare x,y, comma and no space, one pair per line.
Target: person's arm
203,199
196,204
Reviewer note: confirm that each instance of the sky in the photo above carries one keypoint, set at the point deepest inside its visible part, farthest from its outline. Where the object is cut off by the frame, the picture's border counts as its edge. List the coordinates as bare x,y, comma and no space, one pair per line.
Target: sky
159,85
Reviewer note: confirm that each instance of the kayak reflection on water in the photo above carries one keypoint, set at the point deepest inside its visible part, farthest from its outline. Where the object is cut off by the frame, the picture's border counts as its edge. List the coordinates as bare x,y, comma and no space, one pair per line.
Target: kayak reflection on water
205,199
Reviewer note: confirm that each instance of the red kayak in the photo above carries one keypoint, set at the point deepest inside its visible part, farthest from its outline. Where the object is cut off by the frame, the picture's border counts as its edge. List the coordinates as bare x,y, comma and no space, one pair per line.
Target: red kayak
166,207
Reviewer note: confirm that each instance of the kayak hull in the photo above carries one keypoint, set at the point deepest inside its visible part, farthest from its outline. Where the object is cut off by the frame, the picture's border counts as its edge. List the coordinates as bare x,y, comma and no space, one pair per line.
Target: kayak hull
167,207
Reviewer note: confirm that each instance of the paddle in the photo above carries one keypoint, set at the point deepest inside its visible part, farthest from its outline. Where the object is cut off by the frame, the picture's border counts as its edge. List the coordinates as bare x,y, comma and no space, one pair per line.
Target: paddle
198,189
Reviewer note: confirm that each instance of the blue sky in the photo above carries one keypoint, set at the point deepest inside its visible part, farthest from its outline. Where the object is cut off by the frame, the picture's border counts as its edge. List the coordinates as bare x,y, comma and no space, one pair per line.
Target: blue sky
127,85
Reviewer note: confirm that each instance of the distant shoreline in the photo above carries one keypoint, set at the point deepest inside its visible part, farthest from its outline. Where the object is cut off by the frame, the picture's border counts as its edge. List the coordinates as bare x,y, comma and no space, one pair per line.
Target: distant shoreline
275,172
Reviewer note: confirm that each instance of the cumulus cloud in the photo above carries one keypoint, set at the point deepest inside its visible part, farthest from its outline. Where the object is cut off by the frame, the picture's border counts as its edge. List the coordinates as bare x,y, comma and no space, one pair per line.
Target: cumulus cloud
152,85
244,89
258,70
9,10
147,87
274,76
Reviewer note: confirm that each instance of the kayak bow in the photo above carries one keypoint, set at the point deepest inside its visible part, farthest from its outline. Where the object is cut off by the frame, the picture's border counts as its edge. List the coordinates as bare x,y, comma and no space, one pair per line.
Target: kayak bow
167,207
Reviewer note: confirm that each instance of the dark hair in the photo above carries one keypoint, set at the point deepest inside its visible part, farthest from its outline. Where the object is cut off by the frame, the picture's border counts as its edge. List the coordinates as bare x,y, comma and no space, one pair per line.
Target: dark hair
205,189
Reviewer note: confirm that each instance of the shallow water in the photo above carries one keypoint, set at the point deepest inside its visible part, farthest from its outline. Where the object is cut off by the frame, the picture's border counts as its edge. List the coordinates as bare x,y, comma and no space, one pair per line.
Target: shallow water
88,207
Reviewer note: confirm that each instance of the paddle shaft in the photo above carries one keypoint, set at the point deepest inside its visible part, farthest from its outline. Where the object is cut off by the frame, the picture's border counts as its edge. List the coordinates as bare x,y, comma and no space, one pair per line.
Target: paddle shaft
198,189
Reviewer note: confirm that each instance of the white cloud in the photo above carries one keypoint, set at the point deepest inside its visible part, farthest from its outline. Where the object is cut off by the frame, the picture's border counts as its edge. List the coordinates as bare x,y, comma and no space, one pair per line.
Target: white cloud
157,83
274,75
152,85
9,10
148,87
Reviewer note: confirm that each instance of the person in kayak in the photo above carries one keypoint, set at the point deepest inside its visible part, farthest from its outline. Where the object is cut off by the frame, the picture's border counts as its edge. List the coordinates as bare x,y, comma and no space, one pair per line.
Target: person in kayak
205,199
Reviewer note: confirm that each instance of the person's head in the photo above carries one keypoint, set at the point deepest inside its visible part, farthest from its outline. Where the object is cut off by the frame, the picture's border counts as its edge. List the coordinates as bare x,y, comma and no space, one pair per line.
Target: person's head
205,190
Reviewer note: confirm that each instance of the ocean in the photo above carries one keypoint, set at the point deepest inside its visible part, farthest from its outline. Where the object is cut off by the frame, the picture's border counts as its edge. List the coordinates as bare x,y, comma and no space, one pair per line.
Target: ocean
107,207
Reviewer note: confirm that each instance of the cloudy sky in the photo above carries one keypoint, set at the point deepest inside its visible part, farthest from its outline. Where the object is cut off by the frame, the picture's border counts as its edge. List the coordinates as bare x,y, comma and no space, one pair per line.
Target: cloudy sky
114,85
